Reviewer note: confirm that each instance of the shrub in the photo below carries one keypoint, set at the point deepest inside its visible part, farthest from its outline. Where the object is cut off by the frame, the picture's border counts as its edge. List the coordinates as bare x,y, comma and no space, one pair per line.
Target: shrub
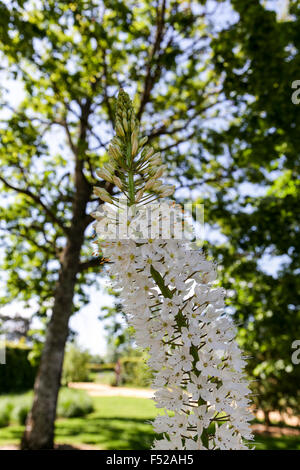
75,367
5,413
73,403
135,371
20,412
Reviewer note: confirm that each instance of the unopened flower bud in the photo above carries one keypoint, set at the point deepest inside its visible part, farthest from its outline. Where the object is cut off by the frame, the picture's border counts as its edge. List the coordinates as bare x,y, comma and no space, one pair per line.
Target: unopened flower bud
149,184
118,182
104,174
143,141
158,184
119,129
134,143
125,124
168,190
139,195
117,150
103,194
112,152
147,152
159,172
133,123
106,198
116,141
154,157
110,166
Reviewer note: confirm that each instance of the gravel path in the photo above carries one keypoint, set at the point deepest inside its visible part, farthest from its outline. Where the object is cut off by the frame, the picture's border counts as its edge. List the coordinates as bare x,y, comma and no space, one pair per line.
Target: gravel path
101,390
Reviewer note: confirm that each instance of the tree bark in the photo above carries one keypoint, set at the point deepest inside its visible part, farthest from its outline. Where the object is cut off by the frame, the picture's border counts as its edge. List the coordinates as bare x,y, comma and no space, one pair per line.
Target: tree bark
39,431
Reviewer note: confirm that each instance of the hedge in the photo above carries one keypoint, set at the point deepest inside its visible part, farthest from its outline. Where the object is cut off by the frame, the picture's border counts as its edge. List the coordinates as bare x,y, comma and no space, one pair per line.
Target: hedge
18,374
134,371
71,404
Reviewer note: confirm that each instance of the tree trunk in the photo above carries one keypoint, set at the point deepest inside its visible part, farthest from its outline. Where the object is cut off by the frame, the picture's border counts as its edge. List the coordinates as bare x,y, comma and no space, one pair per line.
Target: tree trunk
39,432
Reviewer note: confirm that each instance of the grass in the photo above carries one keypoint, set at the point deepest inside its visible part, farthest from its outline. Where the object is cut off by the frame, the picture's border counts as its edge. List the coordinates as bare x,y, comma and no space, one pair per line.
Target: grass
121,423
116,423
264,442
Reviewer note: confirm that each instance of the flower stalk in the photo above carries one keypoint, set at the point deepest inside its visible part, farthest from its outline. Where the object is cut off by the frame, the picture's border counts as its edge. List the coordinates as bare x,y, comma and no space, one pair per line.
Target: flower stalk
170,298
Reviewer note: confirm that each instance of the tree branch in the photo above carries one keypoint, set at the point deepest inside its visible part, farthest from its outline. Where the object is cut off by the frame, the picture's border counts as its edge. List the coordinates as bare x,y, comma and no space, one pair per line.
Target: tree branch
92,263
36,199
150,79
70,140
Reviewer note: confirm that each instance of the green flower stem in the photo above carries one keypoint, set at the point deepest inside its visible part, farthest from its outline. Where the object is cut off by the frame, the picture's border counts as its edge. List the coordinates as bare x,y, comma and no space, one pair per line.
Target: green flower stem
156,276
131,187
181,321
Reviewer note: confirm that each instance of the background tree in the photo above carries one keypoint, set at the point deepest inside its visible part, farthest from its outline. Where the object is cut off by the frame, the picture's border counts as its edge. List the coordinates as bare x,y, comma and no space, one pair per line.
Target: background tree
258,58
71,57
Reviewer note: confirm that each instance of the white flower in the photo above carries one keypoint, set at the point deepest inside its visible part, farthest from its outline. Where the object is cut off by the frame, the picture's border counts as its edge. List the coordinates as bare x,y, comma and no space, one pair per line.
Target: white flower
182,357
196,363
162,424
196,384
190,336
165,444
201,418
172,398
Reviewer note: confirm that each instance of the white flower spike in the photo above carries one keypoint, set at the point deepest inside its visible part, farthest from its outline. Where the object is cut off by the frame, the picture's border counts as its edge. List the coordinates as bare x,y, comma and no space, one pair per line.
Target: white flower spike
168,294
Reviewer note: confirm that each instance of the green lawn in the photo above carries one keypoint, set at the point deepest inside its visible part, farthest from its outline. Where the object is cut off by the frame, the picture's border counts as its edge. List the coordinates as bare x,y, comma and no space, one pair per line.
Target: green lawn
263,442
116,423
119,423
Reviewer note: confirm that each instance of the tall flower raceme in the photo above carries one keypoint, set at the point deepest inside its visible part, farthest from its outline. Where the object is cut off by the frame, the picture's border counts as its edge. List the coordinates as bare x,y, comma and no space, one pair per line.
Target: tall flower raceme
167,290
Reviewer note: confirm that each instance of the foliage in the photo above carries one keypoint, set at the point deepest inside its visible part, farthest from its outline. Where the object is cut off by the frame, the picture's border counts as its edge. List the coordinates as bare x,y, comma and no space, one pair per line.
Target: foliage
18,373
5,413
18,407
262,220
69,77
134,370
20,412
73,403
106,378
14,328
118,334
75,367
69,58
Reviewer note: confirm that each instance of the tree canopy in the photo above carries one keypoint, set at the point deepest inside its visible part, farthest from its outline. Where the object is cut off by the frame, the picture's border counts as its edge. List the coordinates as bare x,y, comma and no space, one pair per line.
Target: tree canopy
258,58
211,83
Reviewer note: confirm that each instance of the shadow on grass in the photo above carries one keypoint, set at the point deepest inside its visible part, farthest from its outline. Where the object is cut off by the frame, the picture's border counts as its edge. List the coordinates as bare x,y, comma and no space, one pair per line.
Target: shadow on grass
265,442
106,433
11,434
125,434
